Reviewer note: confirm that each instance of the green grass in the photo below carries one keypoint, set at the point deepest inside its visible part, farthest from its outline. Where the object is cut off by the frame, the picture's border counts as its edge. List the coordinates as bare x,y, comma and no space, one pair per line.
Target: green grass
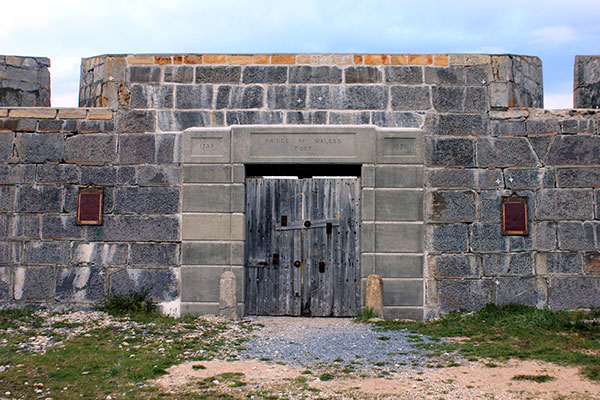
365,314
533,378
503,332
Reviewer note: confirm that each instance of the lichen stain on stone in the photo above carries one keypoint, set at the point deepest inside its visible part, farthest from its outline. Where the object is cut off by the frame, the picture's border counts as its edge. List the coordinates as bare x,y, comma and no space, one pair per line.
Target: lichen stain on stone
439,203
19,283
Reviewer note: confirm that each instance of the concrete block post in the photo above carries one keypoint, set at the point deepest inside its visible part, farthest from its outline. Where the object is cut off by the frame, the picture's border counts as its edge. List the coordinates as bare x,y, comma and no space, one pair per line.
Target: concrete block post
374,295
227,296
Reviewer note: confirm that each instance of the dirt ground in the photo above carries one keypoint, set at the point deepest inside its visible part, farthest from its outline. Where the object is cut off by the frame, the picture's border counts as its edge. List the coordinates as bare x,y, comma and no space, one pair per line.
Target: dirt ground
472,380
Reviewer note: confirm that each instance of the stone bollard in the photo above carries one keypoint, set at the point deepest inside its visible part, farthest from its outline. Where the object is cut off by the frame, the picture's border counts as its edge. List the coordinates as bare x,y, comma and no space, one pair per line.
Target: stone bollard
227,296
374,296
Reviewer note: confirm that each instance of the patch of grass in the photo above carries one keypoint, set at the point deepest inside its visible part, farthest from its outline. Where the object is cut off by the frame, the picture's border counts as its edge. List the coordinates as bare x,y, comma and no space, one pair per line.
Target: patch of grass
512,331
365,314
326,377
383,337
134,303
534,378
198,366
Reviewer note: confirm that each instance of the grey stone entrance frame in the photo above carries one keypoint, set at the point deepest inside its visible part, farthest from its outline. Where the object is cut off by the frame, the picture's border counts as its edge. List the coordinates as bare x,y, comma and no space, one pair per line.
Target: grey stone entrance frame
213,197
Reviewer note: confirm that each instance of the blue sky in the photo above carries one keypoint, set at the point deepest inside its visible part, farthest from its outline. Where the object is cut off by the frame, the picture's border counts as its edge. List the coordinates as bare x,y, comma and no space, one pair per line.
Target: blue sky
68,30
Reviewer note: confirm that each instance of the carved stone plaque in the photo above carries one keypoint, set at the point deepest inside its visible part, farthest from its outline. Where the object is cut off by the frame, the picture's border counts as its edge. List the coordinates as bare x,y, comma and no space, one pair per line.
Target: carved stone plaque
89,206
514,215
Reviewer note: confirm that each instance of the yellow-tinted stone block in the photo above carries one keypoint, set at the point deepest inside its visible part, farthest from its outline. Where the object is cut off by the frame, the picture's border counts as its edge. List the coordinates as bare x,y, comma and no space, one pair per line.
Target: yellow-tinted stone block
261,58
136,60
377,59
242,59
215,59
441,60
100,113
420,59
177,59
358,59
399,60
162,59
340,59
72,113
41,113
469,59
3,113
192,59
283,59
303,59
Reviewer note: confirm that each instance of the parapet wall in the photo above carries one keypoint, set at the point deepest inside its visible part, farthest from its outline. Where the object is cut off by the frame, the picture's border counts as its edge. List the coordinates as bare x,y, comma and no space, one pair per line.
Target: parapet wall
485,136
24,81
586,82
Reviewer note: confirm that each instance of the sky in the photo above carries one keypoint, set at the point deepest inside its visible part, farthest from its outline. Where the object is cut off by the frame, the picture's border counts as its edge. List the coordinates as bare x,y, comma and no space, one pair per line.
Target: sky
68,30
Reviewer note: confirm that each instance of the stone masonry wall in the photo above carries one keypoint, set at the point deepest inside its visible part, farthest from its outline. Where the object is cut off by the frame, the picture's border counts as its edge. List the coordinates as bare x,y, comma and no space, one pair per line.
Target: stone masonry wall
24,81
485,136
45,156
586,82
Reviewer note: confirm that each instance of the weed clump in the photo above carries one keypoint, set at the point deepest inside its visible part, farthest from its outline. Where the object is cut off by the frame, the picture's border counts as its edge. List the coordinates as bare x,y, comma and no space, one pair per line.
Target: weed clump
133,303
365,314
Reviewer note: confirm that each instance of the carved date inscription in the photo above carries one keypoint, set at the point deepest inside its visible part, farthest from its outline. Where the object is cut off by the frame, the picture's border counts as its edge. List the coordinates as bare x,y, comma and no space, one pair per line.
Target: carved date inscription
207,146
303,145
399,146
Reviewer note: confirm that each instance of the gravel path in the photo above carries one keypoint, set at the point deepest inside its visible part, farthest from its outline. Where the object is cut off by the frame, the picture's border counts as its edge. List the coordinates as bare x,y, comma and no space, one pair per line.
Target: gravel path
321,341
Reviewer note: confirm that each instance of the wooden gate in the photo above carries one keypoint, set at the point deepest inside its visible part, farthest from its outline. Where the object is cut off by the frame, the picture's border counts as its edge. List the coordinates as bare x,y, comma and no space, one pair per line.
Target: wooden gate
302,247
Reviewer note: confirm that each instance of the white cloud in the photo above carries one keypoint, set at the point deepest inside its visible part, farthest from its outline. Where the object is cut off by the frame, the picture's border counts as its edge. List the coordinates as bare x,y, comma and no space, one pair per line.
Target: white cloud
553,36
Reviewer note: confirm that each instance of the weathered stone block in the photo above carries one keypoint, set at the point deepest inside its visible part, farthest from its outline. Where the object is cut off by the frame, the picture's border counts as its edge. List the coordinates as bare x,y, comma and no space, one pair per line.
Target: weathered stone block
136,121
505,152
453,206
246,97
450,152
7,198
445,76
459,124
40,148
398,205
20,226
144,200
10,253
137,149
21,173
57,173
31,283
410,98
520,264
163,254
521,291
227,296
578,177
356,97
398,292
144,74
90,149
162,283
259,74
196,96
490,179
411,313
286,97
576,235
558,263
362,75
523,178
204,283
206,253
404,75
544,235
253,117
6,146
455,266
319,74
209,227
490,206
398,237
399,266
574,150
572,293
207,173
80,284
449,237
144,96
99,253
45,253
306,117
205,74
396,119
451,177
98,175
180,120
564,204
398,177
40,198
463,295
140,228
206,198
349,118
151,175
508,128
61,227
488,237
5,283
179,74
448,99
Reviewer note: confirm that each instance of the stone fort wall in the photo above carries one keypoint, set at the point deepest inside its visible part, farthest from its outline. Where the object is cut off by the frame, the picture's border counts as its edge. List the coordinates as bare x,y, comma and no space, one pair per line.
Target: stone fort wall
486,135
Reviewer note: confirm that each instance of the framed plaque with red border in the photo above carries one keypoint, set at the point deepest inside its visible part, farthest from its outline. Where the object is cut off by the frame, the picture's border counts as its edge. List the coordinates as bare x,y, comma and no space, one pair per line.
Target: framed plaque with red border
514,215
89,205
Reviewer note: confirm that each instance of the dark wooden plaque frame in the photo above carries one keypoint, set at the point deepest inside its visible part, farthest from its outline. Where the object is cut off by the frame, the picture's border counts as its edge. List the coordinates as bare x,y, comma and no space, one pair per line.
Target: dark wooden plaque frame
514,215
89,205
